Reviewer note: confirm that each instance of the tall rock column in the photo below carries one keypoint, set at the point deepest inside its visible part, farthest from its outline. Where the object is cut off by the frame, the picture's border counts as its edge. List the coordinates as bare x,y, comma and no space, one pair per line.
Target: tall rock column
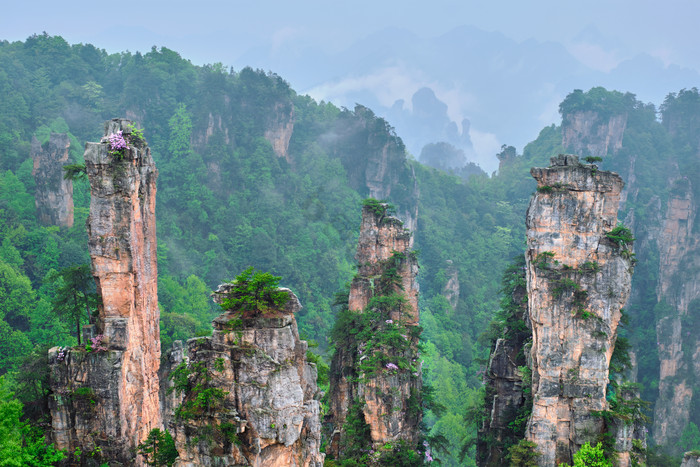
105,398
54,194
375,377
578,280
248,393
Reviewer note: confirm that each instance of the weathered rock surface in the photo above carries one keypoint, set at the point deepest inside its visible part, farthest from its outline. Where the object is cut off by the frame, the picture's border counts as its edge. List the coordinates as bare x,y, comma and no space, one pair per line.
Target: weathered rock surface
54,195
279,129
677,334
121,381
587,133
385,394
691,459
577,283
267,413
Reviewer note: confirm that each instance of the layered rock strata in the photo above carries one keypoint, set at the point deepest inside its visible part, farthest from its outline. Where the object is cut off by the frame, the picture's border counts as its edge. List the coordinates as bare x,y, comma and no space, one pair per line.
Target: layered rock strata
54,194
260,393
105,399
369,370
578,281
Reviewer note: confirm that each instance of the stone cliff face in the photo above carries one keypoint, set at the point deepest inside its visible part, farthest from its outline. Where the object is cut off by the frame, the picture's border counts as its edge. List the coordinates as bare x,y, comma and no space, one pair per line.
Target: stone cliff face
669,228
260,392
587,133
54,195
678,339
376,370
107,398
279,129
578,280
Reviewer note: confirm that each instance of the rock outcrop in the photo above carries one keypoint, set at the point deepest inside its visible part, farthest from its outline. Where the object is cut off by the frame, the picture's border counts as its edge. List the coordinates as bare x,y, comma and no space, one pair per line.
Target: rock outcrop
249,396
54,194
104,400
375,376
589,133
279,129
691,459
578,281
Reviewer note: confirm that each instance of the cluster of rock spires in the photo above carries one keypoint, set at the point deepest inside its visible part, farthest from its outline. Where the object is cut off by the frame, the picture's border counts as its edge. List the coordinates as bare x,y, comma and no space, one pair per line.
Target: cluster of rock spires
106,399
380,381
262,399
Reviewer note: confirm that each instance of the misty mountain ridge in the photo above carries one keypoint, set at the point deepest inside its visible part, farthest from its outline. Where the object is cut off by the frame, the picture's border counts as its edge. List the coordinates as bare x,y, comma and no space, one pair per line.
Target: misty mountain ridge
490,80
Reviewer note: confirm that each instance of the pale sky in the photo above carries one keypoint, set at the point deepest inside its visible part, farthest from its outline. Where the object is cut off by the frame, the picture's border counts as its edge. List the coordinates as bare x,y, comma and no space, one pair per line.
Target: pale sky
210,31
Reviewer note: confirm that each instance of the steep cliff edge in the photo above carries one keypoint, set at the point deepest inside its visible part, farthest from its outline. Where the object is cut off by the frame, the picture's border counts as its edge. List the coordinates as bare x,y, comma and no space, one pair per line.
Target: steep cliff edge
679,290
578,281
54,194
104,399
248,392
375,379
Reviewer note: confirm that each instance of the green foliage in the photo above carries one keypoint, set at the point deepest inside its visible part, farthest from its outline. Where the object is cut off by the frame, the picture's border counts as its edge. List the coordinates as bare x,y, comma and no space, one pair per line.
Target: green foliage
524,454
74,172
158,448
20,443
590,456
621,236
200,399
255,291
355,437
379,208
75,297
593,159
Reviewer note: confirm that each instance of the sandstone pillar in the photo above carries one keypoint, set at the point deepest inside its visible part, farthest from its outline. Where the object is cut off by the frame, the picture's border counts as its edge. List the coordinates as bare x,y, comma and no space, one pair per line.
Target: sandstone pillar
377,374
105,399
578,280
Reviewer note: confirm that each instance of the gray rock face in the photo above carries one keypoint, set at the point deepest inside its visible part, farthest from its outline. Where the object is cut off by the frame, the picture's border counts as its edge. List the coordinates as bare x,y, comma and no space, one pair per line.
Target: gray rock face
267,413
578,280
54,195
691,459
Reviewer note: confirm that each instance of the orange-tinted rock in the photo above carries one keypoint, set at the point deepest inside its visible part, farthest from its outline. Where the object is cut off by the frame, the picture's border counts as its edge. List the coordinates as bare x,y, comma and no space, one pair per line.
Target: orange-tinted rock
54,194
577,282
267,413
387,394
122,246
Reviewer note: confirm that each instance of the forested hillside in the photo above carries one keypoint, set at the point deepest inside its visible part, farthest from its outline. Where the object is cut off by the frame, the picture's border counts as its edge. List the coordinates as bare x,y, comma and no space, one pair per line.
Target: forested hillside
252,174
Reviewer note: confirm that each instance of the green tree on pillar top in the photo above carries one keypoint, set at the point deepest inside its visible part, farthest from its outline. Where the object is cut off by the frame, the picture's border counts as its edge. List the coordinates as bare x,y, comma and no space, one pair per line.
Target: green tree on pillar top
75,296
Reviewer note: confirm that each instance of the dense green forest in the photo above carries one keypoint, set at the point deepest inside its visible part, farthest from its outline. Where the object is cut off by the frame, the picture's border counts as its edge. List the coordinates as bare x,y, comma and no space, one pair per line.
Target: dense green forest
228,199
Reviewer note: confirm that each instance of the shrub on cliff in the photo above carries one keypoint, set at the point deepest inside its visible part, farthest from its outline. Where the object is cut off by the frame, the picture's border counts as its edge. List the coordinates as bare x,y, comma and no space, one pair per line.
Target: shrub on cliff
255,291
